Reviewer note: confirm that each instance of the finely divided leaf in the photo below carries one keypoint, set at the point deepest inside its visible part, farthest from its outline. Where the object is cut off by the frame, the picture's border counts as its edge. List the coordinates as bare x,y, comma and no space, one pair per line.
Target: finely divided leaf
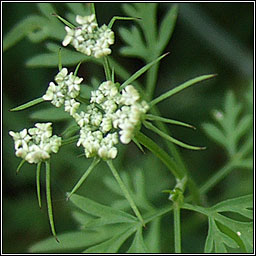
167,27
106,214
69,242
226,232
138,245
112,245
216,240
230,127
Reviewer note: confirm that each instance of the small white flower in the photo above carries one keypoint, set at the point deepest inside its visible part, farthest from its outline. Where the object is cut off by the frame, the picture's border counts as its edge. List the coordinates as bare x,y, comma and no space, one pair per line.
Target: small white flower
89,38
71,106
69,37
61,76
39,145
20,138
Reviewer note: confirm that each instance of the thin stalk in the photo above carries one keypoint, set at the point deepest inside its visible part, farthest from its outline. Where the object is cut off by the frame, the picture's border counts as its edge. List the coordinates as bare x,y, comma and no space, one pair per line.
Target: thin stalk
20,165
125,191
151,79
107,68
83,178
49,200
161,154
159,213
67,23
178,159
38,169
111,23
217,177
59,62
177,231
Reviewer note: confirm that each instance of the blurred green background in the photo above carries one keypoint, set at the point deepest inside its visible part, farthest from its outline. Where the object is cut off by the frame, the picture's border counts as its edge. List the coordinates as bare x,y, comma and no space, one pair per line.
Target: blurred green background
208,38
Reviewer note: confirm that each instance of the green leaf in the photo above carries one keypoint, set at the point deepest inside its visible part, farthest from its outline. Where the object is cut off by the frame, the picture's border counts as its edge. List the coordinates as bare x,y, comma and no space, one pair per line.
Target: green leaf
138,245
167,27
106,214
112,245
215,133
28,104
136,45
47,10
24,27
153,237
230,127
239,205
69,242
180,88
233,232
216,240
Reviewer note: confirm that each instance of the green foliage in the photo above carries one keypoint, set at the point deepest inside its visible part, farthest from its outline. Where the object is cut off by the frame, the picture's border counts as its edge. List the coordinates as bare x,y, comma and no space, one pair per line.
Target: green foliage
105,232
234,231
230,127
113,229
154,43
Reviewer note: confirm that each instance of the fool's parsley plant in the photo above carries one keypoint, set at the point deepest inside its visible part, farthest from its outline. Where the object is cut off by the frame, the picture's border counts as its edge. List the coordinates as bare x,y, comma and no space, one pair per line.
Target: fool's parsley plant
113,114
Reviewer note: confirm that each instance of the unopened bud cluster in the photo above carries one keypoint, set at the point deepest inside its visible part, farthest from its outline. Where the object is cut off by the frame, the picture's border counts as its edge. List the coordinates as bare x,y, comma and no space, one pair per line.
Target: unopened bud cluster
65,92
36,144
88,38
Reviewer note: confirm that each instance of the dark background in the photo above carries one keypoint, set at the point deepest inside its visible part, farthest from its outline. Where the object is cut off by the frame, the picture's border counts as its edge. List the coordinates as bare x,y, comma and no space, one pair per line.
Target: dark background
208,38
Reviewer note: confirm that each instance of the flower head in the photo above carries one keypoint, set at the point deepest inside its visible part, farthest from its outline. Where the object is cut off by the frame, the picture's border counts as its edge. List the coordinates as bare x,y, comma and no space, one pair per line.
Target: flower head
88,38
37,143
65,92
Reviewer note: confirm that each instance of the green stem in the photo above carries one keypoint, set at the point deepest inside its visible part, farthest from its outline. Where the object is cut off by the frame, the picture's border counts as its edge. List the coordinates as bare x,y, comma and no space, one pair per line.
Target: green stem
83,178
48,198
38,169
120,18
125,191
151,81
159,213
60,62
217,177
177,231
107,68
160,153
178,159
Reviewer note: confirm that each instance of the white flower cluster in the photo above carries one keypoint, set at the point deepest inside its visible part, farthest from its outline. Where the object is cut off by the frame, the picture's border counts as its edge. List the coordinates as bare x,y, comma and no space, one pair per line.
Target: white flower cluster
36,144
109,111
65,92
128,117
88,38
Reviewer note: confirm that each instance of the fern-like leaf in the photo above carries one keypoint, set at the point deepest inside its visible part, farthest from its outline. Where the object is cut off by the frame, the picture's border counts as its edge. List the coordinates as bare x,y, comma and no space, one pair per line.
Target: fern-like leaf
224,231
229,127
